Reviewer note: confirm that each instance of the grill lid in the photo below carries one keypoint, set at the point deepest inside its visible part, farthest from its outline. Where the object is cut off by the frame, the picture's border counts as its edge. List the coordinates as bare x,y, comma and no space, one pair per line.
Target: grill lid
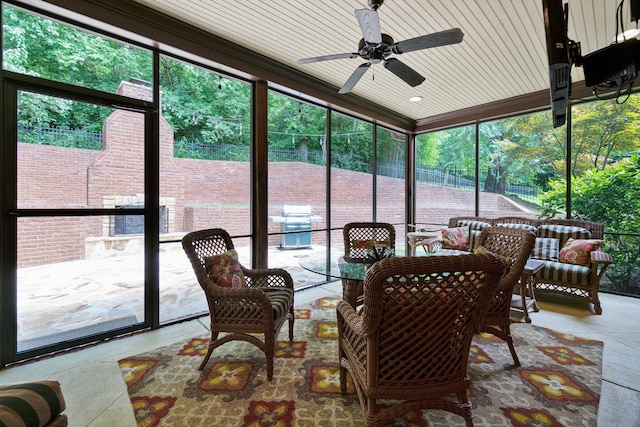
296,210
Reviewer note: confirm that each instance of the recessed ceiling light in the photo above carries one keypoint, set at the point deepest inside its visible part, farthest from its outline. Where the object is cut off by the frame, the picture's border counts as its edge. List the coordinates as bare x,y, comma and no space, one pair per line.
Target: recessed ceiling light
415,99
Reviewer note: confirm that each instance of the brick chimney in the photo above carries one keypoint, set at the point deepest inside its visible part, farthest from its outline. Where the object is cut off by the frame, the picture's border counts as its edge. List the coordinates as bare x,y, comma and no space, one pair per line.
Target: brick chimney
117,178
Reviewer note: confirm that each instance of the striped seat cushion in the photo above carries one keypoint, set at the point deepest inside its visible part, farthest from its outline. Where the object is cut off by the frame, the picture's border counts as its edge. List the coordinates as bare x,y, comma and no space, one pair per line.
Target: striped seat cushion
546,248
562,272
31,404
280,298
473,238
563,232
473,225
516,226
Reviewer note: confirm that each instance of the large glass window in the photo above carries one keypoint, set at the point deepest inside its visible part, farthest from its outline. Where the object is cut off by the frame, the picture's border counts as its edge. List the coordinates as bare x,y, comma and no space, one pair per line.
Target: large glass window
44,48
605,183
351,174
297,184
351,170
205,135
391,148
78,275
445,176
519,158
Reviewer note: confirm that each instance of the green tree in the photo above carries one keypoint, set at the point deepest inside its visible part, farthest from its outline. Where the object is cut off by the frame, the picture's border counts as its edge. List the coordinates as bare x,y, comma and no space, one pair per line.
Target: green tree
43,48
603,132
204,107
427,150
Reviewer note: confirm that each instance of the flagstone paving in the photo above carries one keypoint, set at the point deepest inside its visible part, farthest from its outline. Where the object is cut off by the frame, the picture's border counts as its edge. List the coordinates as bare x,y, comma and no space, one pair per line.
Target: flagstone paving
87,296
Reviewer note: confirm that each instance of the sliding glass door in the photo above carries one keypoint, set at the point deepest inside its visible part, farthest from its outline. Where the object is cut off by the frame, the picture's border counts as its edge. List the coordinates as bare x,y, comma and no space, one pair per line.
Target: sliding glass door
79,200
75,226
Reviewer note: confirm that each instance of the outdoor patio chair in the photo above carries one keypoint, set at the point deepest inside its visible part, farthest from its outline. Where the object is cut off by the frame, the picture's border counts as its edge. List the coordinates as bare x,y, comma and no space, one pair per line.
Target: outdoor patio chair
242,302
359,238
515,245
411,341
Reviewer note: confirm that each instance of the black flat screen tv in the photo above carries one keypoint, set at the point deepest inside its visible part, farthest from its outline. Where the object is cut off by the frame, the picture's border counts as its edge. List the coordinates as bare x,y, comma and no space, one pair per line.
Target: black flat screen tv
555,26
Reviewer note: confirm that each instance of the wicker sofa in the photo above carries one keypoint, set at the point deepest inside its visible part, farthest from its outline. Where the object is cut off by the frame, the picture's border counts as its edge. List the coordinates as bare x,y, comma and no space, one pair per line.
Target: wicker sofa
574,280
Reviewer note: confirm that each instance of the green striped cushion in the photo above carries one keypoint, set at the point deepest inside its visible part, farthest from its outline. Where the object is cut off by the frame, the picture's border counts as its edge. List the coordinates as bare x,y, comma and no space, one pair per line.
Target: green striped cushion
280,298
32,404
473,225
563,232
546,248
473,238
561,272
516,226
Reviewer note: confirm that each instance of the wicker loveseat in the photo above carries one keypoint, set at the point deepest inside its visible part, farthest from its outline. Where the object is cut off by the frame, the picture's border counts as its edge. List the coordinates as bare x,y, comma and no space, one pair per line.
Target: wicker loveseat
574,280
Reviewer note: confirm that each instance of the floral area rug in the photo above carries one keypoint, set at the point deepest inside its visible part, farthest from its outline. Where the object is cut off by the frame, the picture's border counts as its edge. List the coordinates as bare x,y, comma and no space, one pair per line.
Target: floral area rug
558,383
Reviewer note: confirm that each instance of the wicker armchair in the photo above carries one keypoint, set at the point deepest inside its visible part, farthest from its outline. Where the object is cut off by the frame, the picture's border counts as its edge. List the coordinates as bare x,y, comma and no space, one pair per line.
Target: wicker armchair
516,244
353,234
411,342
260,308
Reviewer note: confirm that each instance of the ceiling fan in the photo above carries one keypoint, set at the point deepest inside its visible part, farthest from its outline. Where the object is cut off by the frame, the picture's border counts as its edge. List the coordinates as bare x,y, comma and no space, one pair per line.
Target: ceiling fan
376,47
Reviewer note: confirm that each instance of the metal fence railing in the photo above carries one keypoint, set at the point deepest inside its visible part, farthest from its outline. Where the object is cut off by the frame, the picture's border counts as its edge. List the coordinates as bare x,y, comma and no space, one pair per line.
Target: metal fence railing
455,178
73,138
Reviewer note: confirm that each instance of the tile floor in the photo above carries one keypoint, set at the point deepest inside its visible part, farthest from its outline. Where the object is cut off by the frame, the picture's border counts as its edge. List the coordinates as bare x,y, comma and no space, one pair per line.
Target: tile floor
97,397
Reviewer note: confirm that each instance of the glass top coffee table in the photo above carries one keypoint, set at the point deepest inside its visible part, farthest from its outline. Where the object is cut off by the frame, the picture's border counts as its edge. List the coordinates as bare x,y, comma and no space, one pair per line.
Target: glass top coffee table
334,265
352,274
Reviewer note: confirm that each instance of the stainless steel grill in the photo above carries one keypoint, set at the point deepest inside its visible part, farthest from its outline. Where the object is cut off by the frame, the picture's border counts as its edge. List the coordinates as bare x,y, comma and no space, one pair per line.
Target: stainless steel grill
296,225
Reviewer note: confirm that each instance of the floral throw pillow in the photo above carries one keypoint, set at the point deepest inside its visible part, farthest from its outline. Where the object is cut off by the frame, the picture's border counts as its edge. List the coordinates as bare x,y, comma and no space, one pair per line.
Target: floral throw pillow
578,251
455,238
225,270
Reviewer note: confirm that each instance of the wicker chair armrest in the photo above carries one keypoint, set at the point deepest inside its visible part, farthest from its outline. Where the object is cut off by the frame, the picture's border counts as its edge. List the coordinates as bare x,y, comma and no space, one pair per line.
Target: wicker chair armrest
601,257
242,303
351,319
268,278
239,294
600,260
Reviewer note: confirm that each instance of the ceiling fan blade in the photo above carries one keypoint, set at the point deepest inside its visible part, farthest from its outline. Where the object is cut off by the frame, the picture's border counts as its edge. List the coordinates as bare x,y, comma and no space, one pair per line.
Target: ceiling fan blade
441,38
406,73
354,78
370,25
327,58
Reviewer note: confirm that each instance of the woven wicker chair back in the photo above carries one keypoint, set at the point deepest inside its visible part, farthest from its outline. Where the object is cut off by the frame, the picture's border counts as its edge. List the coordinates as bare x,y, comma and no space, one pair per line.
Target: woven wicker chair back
356,233
421,313
205,243
514,243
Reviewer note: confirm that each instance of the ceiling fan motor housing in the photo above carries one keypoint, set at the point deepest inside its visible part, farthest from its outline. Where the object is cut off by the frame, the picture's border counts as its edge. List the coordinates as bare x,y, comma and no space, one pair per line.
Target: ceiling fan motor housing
376,51
375,4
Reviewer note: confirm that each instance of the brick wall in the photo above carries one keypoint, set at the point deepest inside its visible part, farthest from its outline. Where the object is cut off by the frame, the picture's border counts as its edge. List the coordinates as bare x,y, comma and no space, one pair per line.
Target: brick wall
203,193
208,194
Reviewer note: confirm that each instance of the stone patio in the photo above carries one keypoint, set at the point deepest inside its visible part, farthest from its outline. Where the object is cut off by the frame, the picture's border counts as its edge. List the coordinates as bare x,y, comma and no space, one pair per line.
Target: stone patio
62,301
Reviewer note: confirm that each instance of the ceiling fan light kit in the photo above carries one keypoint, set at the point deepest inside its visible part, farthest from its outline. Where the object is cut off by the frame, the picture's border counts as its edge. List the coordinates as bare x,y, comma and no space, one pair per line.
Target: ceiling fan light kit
376,47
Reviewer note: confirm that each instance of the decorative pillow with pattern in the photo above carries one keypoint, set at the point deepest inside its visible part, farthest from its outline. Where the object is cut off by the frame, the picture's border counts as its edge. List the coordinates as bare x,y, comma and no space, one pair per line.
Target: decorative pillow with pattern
578,251
225,270
455,238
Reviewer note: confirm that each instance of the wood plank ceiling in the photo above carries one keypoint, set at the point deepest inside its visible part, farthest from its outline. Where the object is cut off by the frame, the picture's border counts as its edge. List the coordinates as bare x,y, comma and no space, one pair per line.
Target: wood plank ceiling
503,54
